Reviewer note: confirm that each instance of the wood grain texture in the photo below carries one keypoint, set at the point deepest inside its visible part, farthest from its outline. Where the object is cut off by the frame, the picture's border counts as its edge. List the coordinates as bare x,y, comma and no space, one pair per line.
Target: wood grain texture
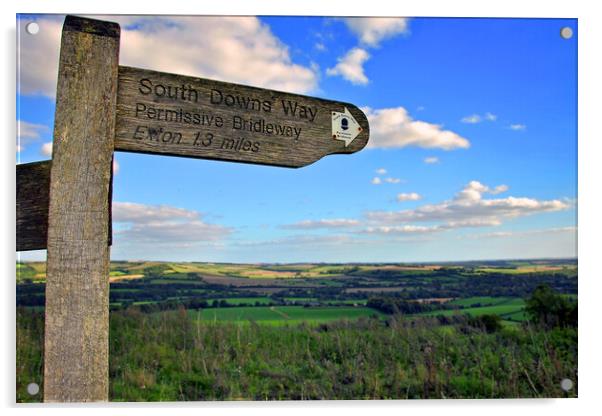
77,285
168,114
33,183
33,188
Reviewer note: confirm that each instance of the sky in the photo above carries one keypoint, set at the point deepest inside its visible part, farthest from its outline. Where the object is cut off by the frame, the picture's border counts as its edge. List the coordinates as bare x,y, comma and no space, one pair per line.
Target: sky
472,152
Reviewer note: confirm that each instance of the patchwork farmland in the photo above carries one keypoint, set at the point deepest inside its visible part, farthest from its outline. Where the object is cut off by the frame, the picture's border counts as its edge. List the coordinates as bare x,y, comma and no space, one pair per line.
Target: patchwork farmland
277,305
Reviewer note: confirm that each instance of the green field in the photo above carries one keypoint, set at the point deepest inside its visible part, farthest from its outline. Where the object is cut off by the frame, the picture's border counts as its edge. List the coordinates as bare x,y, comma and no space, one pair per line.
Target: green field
277,315
482,300
507,308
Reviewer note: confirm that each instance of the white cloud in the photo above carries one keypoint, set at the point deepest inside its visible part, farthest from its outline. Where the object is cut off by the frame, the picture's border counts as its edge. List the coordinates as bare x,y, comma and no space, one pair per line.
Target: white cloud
308,242
517,127
469,209
498,189
474,190
392,180
377,180
228,48
472,119
131,212
166,233
412,196
47,149
505,234
39,57
372,30
381,171
28,133
163,224
323,223
115,166
476,118
350,66
393,127
431,160
400,229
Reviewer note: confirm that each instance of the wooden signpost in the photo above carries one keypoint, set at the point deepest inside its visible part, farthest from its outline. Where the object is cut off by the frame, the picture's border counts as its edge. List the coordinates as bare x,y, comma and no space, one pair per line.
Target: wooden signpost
65,205
184,116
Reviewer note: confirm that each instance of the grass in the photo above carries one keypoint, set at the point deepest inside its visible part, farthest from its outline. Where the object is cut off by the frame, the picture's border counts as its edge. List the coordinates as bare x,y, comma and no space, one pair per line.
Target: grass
276,315
169,356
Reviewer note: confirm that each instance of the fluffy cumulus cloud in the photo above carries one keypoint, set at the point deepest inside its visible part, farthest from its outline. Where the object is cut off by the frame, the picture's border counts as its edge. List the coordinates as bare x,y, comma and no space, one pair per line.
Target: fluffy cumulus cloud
239,49
28,133
431,160
411,196
163,225
370,31
351,66
469,208
394,127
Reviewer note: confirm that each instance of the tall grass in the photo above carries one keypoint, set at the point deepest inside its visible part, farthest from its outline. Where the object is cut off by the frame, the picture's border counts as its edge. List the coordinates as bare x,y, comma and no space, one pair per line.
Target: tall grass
169,357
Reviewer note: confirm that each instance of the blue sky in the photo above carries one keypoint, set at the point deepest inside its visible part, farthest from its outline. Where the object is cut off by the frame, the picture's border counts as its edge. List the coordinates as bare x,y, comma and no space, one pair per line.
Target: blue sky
473,149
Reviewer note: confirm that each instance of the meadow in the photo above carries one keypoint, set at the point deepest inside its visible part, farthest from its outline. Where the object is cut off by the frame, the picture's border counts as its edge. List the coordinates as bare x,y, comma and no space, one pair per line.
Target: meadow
283,315
171,356
205,331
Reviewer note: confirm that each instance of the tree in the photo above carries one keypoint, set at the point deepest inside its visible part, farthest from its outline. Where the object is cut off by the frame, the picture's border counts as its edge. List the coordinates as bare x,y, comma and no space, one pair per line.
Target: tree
548,308
489,323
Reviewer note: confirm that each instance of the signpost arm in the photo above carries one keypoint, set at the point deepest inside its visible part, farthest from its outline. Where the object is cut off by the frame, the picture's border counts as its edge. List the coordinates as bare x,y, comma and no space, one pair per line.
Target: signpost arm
76,346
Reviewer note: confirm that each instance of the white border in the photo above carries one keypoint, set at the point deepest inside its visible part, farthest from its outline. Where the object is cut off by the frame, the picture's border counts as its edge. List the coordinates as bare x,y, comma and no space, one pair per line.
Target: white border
590,37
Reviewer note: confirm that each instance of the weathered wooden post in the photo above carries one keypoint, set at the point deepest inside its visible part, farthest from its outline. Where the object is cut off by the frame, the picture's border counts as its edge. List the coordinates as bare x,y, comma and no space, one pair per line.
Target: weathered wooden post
77,287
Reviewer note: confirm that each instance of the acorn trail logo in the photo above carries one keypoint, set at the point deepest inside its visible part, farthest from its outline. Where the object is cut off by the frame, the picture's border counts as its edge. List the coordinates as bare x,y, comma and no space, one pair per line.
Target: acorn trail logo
345,127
